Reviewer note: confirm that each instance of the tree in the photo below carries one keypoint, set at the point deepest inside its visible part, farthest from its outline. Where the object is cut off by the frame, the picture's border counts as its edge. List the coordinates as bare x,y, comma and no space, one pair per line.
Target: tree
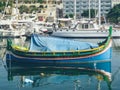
46,6
2,6
23,8
27,1
32,8
114,14
41,6
86,13
66,16
71,15
40,1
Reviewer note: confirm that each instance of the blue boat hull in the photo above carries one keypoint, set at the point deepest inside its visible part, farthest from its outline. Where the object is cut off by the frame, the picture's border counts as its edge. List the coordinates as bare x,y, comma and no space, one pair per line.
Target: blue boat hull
86,62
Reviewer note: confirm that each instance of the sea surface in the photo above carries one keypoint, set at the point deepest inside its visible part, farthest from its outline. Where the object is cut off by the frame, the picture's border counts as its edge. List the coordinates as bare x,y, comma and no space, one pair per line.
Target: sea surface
62,78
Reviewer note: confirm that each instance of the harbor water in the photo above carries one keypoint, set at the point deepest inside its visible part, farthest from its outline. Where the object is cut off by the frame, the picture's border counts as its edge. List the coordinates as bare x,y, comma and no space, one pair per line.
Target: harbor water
18,78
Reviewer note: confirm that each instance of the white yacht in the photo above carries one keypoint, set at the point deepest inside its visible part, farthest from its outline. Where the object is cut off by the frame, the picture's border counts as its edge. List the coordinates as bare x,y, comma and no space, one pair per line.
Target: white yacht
13,28
84,29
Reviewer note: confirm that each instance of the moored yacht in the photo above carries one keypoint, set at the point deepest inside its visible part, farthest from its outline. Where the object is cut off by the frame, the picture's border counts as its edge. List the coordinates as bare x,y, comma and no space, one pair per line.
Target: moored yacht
84,29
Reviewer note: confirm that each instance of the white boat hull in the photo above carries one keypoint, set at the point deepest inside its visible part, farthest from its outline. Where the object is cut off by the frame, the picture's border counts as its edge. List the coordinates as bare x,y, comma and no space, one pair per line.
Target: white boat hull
85,33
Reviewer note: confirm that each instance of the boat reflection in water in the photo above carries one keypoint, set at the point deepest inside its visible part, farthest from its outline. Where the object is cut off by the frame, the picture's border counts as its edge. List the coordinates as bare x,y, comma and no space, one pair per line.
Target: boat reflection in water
78,78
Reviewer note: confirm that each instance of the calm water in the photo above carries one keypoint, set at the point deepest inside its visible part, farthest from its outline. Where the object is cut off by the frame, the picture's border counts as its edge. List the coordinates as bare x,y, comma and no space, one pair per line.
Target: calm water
61,78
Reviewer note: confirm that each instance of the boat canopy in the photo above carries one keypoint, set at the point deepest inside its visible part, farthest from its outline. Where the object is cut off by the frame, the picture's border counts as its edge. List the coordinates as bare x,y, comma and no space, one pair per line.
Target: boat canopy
46,43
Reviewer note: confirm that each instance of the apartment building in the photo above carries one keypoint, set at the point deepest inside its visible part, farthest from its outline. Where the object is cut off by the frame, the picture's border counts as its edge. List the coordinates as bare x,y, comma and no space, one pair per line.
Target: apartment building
81,5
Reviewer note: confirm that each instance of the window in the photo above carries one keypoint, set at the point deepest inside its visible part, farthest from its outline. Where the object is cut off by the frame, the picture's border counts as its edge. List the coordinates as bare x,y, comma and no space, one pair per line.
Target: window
67,10
67,2
66,6
78,10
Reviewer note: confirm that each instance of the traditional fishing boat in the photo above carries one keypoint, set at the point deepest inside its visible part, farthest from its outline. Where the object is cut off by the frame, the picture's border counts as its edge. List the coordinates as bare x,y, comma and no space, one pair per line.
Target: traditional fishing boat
51,51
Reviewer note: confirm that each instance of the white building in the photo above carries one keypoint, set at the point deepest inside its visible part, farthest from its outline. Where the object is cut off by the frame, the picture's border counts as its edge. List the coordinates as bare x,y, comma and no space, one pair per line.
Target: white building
81,5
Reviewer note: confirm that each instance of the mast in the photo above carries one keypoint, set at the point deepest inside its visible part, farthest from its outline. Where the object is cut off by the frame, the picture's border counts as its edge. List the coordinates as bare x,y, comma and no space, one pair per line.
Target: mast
17,6
75,11
99,12
16,10
89,11
95,9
